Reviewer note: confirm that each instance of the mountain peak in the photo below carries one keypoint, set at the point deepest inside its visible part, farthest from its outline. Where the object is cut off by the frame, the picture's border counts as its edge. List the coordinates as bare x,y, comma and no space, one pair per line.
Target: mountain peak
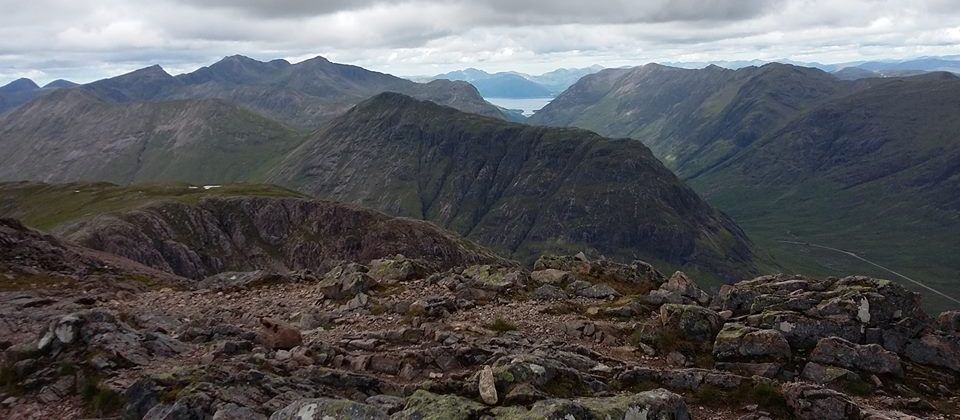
19,85
59,83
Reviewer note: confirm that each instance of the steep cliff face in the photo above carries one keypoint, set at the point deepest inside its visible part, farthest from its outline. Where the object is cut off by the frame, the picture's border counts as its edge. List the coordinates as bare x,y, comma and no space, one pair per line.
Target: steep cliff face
521,190
248,233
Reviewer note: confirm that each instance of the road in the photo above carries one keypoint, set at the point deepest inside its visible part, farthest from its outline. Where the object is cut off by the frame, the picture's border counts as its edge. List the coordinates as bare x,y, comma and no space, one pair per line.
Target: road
854,255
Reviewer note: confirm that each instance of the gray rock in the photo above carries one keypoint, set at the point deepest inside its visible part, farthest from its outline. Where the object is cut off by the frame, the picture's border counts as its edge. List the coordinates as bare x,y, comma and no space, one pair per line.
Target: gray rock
324,408
551,276
487,386
426,405
549,292
935,350
655,404
811,402
949,322
869,358
691,322
823,374
232,411
597,291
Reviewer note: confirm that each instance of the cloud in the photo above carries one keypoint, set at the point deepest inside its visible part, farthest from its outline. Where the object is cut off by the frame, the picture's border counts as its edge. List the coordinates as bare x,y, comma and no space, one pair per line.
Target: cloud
47,39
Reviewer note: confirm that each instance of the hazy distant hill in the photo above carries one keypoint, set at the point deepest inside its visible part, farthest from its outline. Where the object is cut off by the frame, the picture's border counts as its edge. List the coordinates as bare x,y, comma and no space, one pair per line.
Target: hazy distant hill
519,85
21,91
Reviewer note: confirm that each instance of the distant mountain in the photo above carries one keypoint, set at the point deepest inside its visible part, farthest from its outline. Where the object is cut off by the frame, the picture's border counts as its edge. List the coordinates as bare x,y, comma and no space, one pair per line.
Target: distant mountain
499,85
17,93
74,135
519,189
519,85
303,95
59,84
691,119
559,80
21,91
795,154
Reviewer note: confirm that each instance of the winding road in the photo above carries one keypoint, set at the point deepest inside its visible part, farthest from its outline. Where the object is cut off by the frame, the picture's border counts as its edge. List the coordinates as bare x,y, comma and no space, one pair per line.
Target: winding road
854,255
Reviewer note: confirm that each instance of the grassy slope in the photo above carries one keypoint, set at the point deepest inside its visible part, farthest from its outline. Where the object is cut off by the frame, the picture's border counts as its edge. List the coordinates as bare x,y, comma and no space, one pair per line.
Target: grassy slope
49,206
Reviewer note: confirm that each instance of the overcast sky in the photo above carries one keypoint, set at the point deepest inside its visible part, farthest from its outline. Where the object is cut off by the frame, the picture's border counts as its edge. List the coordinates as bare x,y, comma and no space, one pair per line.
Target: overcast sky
91,39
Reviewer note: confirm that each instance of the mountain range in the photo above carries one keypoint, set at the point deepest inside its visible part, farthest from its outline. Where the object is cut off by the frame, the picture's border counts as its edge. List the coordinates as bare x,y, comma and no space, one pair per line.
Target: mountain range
517,189
814,168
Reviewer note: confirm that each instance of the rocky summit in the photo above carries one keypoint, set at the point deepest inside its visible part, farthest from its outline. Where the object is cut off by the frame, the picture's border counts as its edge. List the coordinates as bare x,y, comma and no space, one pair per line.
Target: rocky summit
403,337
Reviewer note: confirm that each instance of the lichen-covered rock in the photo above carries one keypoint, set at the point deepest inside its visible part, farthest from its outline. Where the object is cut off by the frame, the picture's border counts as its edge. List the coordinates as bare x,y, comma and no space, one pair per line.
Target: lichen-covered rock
398,269
691,322
326,408
740,342
823,374
538,377
635,278
494,278
811,402
656,404
869,358
345,281
425,405
684,289
552,276
681,379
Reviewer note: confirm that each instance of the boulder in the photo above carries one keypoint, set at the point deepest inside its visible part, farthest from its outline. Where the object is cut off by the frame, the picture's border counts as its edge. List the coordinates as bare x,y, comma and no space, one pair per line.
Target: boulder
597,291
552,276
278,335
494,278
549,292
869,358
740,342
691,322
398,269
487,386
685,289
424,405
823,374
326,408
346,281
635,278
812,402
935,350
949,322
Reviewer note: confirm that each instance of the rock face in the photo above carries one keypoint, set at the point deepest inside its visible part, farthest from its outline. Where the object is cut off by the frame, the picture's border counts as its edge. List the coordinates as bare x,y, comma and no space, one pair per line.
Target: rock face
869,358
403,156
281,234
43,260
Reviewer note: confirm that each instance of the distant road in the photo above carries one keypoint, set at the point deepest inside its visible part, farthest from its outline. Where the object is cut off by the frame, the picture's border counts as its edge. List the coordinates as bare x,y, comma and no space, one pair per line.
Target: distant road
854,255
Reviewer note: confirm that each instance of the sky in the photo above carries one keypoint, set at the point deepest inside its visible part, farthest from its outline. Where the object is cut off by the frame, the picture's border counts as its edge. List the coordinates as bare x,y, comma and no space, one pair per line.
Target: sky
92,39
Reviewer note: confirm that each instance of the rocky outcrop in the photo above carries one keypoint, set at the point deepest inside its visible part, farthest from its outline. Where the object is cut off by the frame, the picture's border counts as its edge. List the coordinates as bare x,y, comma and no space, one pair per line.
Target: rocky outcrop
279,234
